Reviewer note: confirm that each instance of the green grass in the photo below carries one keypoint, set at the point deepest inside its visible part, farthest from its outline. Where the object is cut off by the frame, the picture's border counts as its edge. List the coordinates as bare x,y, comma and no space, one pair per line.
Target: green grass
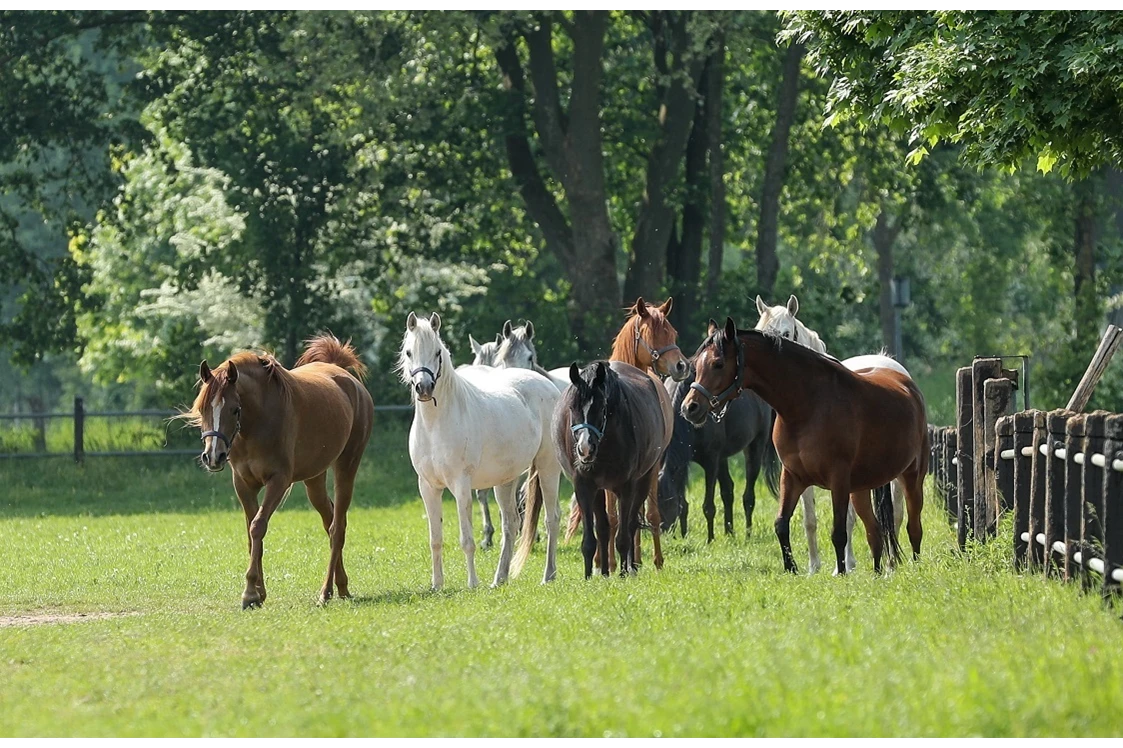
720,642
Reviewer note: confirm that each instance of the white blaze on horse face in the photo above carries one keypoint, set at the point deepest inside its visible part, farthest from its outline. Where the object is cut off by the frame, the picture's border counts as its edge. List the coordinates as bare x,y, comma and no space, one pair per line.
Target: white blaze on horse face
216,425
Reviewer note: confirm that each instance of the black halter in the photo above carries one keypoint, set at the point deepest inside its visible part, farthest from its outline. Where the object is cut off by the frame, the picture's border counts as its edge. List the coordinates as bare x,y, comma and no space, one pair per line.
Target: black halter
655,354
730,393
227,440
435,375
585,426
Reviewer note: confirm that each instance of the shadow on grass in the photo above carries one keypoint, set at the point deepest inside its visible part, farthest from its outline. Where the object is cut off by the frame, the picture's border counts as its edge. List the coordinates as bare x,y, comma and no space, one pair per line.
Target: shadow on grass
404,596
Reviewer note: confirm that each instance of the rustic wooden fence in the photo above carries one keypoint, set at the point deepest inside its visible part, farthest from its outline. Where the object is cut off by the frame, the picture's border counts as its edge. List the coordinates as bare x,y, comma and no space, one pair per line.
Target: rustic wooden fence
1060,472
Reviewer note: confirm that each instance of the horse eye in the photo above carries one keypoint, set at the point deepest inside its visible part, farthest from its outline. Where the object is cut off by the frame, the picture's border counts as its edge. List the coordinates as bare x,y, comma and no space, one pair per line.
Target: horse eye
719,364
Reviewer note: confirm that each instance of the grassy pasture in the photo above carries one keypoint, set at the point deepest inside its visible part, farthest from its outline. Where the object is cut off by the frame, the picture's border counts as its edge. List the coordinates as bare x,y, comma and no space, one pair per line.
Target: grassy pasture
721,642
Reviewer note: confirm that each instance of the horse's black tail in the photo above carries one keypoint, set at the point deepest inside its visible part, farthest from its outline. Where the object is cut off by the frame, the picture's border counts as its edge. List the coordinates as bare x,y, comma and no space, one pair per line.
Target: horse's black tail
530,522
883,510
771,461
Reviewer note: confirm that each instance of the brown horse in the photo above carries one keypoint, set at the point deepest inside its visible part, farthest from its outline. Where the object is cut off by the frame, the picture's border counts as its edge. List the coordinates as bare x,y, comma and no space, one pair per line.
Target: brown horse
647,341
276,427
850,427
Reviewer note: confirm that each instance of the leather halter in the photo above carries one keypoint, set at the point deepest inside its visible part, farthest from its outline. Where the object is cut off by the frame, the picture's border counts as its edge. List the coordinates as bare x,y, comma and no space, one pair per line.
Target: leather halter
434,375
585,426
655,354
227,440
731,392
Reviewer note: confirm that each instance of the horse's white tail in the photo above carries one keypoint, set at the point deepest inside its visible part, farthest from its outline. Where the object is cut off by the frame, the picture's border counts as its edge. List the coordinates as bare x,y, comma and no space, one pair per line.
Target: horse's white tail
530,522
574,521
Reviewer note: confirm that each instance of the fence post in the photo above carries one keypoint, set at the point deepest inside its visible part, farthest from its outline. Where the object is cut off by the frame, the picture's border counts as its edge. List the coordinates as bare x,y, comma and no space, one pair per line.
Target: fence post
1075,443
79,430
950,483
1037,491
1023,485
964,454
1004,469
1054,485
1113,509
998,394
1093,499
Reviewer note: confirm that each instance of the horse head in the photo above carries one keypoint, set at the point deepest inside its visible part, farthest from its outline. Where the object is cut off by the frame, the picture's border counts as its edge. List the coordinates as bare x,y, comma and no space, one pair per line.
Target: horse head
218,413
516,347
589,408
421,360
719,366
484,353
779,319
653,340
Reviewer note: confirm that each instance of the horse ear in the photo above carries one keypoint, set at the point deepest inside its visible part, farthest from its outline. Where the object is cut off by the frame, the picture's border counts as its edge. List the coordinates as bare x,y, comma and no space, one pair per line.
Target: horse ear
498,338
602,373
711,328
665,308
411,322
476,347
529,330
575,375
231,373
507,329
730,329
435,321
793,305
641,307
205,372
761,307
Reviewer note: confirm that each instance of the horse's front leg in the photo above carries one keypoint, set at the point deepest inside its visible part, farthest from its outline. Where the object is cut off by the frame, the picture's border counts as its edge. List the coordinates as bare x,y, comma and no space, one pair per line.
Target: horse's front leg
604,529
431,497
790,488
485,512
463,493
585,496
840,503
708,507
725,483
612,507
654,519
275,491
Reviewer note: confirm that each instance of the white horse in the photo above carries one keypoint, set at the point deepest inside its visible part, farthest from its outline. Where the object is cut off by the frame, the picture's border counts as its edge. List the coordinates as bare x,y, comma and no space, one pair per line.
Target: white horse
477,427
782,321
516,351
484,353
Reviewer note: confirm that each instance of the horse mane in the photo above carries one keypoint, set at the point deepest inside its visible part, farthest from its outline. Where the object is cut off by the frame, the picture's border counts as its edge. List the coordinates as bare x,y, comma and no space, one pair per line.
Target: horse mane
327,348
258,365
624,347
799,349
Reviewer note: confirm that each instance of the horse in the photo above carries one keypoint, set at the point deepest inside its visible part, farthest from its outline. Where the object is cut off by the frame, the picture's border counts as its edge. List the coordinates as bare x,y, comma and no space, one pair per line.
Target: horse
610,431
781,319
745,428
647,341
277,426
848,426
484,353
477,427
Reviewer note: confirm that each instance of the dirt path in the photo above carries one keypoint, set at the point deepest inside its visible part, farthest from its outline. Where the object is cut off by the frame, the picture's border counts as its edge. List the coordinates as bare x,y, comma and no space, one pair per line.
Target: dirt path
40,619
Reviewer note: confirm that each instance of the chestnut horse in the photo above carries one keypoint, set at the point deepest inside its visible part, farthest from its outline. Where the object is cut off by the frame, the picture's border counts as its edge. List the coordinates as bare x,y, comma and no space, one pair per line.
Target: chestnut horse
848,428
276,427
647,341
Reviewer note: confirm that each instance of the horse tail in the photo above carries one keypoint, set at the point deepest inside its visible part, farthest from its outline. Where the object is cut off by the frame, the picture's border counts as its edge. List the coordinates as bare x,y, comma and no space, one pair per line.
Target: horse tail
883,510
771,460
326,348
530,522
574,521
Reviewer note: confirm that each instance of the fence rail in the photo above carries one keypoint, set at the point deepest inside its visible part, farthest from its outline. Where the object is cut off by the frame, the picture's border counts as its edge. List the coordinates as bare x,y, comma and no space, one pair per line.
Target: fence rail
79,415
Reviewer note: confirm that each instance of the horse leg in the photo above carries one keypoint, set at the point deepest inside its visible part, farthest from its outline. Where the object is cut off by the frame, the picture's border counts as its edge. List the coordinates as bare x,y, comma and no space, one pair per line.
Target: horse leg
548,485
683,511
811,527
485,512
629,528
463,493
653,518
913,482
861,504
344,472
898,490
851,518
753,462
247,497
612,507
509,523
840,502
318,498
708,508
275,492
431,497
586,497
790,489
604,529
725,482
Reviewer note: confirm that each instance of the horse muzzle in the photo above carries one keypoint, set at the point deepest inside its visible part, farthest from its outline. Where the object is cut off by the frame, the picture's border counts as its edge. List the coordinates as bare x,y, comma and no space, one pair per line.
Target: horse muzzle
693,410
214,463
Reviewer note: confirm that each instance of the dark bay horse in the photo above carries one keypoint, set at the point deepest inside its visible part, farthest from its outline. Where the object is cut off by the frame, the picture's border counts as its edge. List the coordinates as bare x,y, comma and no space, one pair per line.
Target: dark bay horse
850,427
276,427
610,431
745,428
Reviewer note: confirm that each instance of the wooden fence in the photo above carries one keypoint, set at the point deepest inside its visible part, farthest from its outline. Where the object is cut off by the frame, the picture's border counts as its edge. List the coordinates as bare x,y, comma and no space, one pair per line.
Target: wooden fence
1060,472
80,416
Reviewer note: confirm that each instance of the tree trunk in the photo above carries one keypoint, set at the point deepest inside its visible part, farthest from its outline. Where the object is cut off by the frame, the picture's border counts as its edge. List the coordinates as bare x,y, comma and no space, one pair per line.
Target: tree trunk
715,84
1113,189
767,264
884,237
1084,271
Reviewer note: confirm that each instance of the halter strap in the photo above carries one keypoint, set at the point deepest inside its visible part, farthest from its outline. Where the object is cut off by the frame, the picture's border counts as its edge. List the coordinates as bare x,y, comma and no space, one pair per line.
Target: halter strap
581,426
655,354
226,440
729,393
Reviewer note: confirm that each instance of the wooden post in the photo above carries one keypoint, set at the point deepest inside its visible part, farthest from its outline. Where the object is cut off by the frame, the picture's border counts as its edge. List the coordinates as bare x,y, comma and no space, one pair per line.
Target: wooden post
1074,490
951,439
1023,485
1112,502
1093,500
1037,491
982,369
964,453
1054,486
1108,345
1004,468
79,431
998,398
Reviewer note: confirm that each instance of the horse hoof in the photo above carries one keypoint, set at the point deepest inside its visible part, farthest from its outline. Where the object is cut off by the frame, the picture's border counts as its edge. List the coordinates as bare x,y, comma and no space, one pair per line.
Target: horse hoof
344,593
248,603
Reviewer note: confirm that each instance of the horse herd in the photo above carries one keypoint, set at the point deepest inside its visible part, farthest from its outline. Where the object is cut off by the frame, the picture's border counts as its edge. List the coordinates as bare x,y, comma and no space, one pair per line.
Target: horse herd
620,434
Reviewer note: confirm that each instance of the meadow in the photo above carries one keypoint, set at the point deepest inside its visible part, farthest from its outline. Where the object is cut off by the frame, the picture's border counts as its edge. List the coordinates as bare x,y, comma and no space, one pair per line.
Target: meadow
135,566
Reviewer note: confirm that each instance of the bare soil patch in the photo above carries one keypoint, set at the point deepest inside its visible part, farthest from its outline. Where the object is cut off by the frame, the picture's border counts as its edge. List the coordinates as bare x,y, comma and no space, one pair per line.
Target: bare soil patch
40,619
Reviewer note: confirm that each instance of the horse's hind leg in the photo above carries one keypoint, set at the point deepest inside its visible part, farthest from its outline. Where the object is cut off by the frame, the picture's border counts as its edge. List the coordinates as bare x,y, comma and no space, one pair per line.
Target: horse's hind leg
485,512
508,521
344,472
861,504
604,530
840,502
754,458
811,527
654,519
612,507
913,482
725,482
318,498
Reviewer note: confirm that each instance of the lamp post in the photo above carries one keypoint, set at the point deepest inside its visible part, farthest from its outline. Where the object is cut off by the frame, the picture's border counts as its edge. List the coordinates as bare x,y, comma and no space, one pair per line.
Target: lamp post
902,297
